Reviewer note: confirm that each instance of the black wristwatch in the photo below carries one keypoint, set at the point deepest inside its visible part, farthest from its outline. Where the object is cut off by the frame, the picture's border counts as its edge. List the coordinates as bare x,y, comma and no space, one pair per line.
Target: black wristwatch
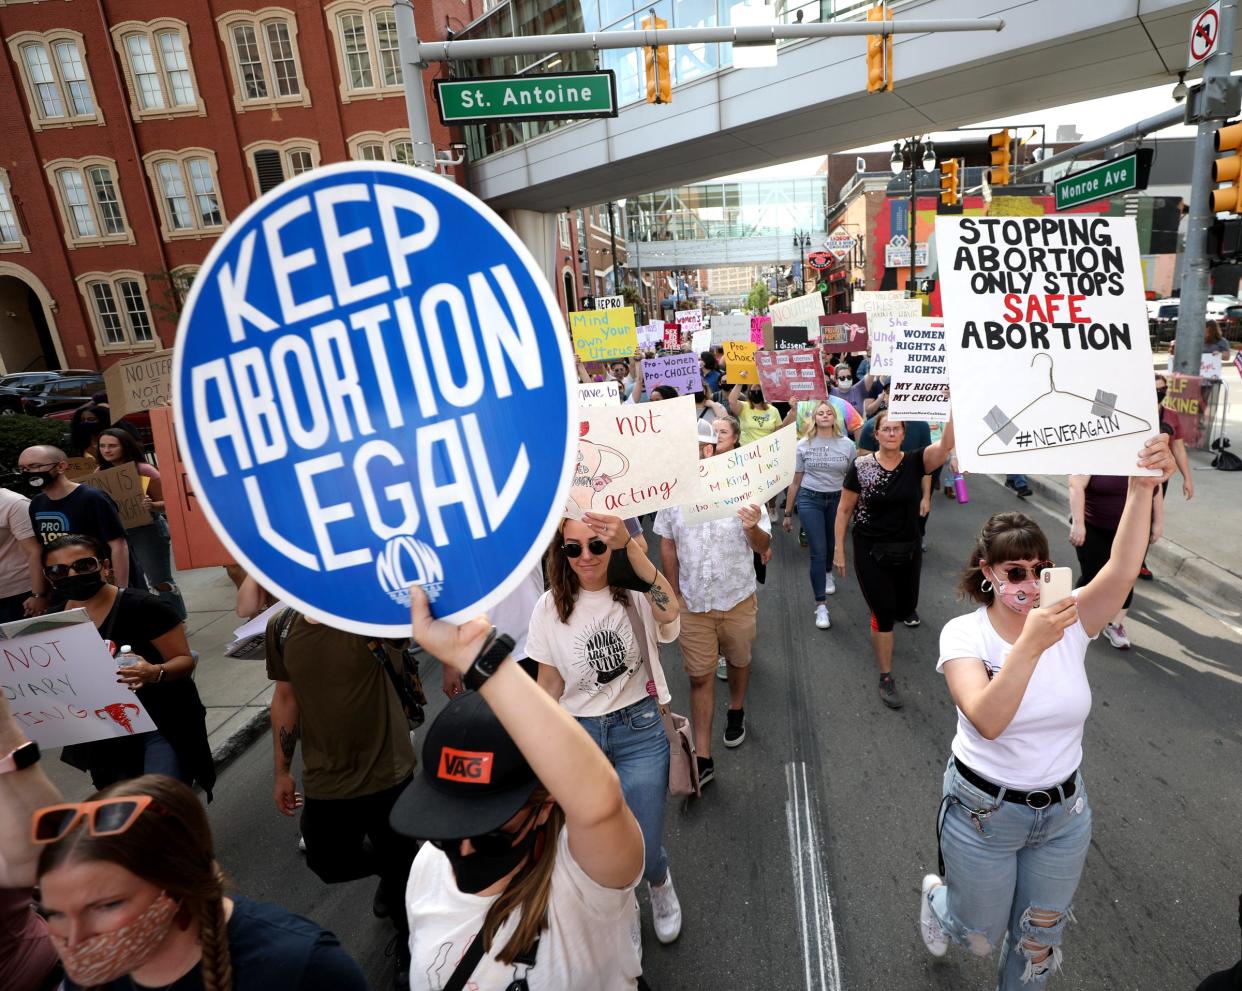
495,650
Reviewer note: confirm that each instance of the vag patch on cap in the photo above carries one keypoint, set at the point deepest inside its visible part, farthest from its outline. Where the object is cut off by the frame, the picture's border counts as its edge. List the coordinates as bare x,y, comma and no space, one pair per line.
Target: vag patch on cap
469,766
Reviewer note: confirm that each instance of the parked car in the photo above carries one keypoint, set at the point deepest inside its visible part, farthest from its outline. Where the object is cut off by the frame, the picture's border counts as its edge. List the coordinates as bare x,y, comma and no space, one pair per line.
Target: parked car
17,384
62,394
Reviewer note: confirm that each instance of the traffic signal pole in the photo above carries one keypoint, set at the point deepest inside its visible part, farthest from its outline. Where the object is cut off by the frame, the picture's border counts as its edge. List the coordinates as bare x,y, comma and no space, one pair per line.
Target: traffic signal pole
1192,309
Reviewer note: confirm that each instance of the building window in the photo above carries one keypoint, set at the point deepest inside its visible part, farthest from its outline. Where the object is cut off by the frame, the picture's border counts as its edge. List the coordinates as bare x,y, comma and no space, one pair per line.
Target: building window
562,225
53,69
185,189
388,146
264,51
90,204
271,163
155,59
117,302
11,236
366,42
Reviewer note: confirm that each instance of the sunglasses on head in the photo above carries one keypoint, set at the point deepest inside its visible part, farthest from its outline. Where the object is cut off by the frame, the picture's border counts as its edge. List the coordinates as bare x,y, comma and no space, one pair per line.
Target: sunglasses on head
594,545
1018,573
82,566
105,817
494,843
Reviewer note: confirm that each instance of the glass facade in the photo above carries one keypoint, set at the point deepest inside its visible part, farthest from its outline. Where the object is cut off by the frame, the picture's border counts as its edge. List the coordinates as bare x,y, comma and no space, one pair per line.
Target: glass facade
758,208
518,18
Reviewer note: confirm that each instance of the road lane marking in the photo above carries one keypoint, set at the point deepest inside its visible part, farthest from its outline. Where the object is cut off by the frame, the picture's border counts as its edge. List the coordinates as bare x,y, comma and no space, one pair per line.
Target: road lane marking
821,965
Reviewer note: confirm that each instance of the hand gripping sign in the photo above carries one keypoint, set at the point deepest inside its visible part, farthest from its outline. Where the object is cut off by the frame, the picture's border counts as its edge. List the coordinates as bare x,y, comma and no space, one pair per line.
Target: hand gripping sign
375,390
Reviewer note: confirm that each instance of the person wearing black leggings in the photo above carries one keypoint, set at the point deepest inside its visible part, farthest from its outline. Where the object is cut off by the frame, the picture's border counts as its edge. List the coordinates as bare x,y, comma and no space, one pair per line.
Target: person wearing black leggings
882,492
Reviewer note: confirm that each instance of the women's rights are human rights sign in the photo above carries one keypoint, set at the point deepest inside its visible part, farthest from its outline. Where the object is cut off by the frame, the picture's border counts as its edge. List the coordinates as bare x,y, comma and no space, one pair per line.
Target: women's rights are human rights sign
374,389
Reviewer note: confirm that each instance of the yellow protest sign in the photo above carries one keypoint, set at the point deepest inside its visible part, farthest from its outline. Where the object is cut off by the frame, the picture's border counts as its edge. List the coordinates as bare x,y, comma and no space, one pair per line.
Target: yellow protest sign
602,334
740,362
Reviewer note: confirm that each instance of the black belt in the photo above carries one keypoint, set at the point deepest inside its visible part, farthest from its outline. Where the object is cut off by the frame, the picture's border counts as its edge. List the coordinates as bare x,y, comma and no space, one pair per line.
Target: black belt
1038,799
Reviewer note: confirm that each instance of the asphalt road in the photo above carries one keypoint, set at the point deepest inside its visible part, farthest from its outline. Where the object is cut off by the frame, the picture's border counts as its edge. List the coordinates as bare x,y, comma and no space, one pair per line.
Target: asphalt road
800,866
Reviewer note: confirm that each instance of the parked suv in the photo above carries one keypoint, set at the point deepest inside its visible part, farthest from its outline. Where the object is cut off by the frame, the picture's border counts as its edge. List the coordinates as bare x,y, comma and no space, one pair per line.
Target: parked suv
62,394
18,384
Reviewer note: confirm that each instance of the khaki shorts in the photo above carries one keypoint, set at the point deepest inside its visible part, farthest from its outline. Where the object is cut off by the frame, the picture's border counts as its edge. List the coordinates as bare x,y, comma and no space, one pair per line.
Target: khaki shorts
706,636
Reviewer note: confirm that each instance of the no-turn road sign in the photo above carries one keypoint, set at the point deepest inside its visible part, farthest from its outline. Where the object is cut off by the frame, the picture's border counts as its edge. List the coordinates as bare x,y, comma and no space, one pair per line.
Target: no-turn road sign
1204,35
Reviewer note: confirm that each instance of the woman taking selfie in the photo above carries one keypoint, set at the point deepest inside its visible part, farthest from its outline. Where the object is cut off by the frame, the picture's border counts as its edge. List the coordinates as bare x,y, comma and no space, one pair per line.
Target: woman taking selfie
594,635
1015,824
134,899
157,668
532,855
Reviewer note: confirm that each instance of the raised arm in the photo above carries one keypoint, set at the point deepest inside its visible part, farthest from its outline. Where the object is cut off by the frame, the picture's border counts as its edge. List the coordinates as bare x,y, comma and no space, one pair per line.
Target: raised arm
660,594
603,834
735,398
938,453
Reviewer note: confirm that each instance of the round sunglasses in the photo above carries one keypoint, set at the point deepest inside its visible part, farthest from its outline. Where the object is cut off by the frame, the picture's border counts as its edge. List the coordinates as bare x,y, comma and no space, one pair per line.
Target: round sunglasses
594,545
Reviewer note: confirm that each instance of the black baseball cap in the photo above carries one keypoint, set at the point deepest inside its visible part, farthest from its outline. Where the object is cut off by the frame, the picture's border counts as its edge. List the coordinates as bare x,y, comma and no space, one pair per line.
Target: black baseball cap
473,778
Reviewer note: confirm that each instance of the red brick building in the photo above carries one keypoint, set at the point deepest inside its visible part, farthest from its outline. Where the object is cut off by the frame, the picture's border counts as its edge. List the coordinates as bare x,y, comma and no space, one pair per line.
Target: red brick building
131,140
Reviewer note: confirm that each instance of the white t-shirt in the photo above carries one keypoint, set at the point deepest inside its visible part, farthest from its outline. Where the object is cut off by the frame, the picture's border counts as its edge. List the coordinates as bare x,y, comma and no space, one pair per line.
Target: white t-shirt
1042,745
596,652
592,941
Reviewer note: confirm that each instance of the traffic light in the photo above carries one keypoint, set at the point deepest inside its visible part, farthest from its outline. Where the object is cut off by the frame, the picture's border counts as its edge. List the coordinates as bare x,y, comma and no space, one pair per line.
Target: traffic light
998,144
1228,169
879,53
949,182
656,63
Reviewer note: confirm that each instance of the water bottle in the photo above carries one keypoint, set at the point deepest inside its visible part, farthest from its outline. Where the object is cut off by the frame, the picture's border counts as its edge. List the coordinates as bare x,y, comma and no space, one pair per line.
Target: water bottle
126,657
959,486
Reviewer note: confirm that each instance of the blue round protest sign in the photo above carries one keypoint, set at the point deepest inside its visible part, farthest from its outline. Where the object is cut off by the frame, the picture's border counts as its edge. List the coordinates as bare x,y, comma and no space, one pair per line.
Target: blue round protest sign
374,389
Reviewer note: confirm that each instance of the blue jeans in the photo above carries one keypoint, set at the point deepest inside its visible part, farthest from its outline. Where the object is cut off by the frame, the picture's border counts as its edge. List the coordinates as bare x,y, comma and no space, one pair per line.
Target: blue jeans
1015,862
152,546
634,742
817,512
158,757
1017,481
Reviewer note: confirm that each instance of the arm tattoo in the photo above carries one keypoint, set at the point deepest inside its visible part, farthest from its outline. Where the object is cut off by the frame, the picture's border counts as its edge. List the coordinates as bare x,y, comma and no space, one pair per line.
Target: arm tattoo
659,597
288,741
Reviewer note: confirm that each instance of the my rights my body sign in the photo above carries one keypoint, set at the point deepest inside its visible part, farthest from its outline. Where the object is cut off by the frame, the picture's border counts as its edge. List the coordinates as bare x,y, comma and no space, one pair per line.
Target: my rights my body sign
375,390
1048,351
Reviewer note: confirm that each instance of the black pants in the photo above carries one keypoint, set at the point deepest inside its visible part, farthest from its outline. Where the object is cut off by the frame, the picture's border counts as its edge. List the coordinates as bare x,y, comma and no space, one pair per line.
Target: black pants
891,590
1096,549
334,829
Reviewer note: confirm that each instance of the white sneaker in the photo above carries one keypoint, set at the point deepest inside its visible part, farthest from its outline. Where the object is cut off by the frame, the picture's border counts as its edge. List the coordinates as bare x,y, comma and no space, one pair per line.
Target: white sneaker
830,584
665,909
929,926
821,617
1115,633
722,669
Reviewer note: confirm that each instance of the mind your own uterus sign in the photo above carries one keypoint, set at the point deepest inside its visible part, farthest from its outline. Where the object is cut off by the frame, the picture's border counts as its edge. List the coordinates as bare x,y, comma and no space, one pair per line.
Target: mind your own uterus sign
1046,337
375,390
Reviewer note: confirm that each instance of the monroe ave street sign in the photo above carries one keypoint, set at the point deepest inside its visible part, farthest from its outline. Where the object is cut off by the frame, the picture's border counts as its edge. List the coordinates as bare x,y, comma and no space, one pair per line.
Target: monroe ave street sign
546,96
1121,175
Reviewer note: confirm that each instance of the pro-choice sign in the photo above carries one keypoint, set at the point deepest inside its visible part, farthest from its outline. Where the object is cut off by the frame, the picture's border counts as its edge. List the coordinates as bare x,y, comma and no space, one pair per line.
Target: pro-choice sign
546,96
1121,175
374,389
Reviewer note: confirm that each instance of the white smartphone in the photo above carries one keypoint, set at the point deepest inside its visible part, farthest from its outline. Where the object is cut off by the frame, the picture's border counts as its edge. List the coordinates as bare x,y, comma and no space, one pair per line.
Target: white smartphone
1055,584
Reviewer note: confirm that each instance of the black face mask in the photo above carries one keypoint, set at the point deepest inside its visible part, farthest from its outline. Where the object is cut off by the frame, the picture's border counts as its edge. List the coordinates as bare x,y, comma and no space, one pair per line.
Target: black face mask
1160,393
477,871
79,587
40,480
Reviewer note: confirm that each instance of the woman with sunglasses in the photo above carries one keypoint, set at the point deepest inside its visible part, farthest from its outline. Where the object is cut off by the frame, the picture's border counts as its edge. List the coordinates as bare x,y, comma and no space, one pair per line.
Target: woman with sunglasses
134,898
1014,824
583,634
527,879
157,668
150,542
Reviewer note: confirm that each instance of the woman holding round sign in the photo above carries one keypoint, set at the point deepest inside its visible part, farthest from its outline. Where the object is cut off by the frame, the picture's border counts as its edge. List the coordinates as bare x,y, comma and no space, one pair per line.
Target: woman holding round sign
1014,825
594,634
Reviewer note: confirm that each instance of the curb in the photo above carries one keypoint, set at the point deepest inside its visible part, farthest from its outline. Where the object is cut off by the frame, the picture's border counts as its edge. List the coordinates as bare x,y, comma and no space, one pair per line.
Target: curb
235,744
1173,563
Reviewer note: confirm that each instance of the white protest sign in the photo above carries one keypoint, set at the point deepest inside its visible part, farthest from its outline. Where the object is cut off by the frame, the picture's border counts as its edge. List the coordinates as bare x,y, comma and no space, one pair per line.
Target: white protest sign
1209,365
635,459
651,335
690,321
609,302
727,327
60,682
598,394
920,384
745,476
1048,351
880,307
803,311
701,341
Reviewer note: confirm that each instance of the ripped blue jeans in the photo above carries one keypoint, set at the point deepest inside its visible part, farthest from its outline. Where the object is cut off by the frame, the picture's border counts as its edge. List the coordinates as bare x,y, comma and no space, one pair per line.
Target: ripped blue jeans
1008,873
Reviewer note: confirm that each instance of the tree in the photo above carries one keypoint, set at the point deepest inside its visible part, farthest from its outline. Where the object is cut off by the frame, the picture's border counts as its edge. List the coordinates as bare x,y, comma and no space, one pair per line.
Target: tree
757,300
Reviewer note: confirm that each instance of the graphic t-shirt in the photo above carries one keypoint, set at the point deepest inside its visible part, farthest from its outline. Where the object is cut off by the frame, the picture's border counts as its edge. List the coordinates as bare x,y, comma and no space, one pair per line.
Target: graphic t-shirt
823,462
757,423
592,940
87,511
888,501
596,652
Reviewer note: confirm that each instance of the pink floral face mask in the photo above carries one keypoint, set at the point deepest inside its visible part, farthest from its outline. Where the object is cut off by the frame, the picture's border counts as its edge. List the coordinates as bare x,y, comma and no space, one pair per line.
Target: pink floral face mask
106,957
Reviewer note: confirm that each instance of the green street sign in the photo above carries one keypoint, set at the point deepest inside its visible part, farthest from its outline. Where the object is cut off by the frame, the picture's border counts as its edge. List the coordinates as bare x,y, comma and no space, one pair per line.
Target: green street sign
545,96
1121,175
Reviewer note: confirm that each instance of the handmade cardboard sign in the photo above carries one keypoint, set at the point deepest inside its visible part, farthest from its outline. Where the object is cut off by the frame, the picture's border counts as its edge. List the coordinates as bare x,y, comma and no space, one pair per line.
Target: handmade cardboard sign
760,328
920,384
790,376
745,476
681,371
788,338
881,331
194,542
606,393
726,327
650,336
61,683
1185,399
740,362
124,485
803,311
690,321
842,333
600,334
1210,365
135,384
1048,351
635,459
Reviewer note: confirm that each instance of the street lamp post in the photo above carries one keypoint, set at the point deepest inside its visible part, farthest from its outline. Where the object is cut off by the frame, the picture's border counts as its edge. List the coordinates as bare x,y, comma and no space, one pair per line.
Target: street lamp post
917,150
802,241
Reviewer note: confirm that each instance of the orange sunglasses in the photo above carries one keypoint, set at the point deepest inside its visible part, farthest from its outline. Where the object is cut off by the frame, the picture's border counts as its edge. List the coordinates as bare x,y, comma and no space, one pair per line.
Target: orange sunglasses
105,817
